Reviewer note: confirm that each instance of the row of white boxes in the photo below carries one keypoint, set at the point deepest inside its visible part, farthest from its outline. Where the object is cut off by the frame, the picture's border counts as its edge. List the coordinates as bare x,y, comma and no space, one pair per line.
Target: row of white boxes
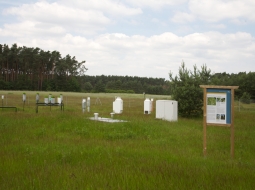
165,109
52,100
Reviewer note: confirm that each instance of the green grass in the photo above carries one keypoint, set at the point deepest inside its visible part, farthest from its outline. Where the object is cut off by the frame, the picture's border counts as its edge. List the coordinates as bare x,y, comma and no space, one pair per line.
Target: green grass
66,150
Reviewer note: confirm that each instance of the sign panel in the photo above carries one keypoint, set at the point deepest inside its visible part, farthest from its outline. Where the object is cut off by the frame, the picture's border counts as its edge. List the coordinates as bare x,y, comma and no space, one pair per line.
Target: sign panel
218,106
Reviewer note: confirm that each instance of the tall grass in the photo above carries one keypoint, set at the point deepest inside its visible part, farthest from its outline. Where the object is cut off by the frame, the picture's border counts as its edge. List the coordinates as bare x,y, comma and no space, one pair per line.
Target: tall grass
56,149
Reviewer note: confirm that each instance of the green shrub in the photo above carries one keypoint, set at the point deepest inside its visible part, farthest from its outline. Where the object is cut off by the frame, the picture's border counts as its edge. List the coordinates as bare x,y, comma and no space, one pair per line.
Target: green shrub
185,89
246,98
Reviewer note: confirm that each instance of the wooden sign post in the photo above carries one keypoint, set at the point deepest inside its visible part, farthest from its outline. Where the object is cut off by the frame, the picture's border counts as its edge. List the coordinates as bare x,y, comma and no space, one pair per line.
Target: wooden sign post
218,110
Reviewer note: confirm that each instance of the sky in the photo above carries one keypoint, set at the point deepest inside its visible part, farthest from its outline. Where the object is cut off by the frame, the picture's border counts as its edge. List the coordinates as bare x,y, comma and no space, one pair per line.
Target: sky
144,38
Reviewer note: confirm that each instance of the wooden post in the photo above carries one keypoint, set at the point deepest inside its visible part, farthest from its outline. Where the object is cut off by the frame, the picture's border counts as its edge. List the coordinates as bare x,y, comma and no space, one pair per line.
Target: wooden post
232,141
204,123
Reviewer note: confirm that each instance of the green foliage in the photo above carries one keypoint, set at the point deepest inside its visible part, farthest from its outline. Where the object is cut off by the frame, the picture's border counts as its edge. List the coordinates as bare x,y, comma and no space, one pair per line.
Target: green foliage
119,91
50,85
185,89
88,87
99,87
3,85
23,68
245,81
118,85
246,98
136,84
73,85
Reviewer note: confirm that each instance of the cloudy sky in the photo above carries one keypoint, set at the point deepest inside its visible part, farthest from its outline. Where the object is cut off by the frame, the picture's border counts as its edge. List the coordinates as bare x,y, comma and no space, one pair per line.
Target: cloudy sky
145,38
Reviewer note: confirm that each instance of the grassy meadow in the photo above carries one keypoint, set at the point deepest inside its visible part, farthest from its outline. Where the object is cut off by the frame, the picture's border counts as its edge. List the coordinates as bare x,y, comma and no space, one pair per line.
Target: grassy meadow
55,149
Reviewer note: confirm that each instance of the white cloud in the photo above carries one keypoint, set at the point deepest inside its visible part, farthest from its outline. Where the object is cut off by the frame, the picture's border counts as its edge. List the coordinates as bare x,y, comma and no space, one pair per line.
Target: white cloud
218,26
77,19
216,10
158,21
133,22
29,28
182,17
239,22
155,4
155,20
52,13
111,7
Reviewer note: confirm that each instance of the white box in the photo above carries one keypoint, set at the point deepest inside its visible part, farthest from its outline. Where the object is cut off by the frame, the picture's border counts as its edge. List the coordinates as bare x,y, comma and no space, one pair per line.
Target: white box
118,105
167,110
147,106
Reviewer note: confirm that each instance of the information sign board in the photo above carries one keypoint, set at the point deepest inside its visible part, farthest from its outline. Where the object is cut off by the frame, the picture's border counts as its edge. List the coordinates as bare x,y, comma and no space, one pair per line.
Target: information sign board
218,109
218,106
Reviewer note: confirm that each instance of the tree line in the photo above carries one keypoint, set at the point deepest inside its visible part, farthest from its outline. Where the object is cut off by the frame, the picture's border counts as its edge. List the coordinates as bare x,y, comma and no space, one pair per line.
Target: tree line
24,68
129,84
124,84
245,81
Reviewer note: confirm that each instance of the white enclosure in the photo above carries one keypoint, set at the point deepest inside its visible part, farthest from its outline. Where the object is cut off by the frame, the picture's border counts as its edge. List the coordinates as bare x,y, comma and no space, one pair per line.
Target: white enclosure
37,98
24,97
118,105
46,100
96,116
83,104
167,110
88,104
151,104
52,100
147,106
59,100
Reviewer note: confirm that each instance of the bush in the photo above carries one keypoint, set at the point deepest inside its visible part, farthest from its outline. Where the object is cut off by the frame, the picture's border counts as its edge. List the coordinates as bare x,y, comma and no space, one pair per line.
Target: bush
246,98
185,89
